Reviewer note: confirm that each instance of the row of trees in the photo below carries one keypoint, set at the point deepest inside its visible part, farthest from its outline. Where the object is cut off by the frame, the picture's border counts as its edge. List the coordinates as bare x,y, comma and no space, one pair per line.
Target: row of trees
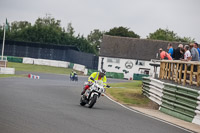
49,30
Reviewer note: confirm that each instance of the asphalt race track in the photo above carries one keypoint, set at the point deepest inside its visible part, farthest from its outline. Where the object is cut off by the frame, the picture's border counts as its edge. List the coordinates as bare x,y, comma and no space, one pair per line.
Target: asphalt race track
51,105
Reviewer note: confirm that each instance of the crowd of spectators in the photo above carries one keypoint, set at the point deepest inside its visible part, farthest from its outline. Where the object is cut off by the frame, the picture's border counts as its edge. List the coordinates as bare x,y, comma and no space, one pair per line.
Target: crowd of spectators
189,52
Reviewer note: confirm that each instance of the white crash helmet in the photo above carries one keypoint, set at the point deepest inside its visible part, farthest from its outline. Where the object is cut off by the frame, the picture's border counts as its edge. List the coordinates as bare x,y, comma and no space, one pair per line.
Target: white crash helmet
102,71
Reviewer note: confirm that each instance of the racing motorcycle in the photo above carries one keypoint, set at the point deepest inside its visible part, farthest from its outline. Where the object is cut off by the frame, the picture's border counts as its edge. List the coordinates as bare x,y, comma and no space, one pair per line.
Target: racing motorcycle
93,93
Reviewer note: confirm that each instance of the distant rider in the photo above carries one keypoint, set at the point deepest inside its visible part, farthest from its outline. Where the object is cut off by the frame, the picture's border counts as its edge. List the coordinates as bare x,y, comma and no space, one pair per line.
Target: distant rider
72,75
101,75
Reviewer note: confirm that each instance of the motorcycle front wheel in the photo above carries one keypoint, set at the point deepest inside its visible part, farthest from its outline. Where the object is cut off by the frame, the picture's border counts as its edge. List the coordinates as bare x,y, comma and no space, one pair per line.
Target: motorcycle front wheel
82,101
92,101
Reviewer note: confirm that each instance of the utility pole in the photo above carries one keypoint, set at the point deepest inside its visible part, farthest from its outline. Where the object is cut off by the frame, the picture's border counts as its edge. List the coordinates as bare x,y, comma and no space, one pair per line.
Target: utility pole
4,35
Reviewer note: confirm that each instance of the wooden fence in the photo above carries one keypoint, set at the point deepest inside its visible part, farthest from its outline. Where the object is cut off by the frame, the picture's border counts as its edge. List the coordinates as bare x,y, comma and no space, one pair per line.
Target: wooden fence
182,72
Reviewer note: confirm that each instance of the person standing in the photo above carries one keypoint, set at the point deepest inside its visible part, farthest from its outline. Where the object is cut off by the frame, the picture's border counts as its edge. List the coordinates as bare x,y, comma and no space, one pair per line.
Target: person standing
187,57
195,55
194,52
164,55
178,53
196,46
171,50
187,54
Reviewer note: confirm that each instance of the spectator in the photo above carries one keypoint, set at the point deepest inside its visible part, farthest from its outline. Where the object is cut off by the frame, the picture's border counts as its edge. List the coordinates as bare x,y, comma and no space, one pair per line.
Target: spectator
187,54
187,57
164,55
194,53
196,46
195,56
171,50
178,53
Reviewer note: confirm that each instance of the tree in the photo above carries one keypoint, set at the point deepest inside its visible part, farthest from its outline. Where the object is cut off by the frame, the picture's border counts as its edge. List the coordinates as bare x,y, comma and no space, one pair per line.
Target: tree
95,38
47,30
83,44
186,39
162,34
16,26
167,35
70,29
122,31
1,31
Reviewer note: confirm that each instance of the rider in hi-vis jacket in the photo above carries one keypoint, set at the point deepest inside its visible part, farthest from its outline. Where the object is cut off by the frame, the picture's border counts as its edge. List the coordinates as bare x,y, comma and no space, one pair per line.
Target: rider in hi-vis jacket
101,75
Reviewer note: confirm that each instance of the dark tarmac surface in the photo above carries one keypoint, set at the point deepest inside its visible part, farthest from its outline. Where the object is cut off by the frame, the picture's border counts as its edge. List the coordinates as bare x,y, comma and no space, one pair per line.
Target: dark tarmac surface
51,105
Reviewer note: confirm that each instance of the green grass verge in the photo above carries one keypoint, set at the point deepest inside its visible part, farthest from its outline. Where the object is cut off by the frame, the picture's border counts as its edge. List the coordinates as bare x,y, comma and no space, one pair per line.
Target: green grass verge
129,93
11,75
37,68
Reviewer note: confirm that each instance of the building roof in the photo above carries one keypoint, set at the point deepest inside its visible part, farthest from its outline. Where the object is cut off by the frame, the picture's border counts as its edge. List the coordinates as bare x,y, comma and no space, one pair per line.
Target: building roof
132,48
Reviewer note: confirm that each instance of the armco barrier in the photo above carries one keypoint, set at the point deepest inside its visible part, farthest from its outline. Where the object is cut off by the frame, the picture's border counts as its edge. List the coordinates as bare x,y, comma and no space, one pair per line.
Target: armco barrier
114,75
6,70
175,100
27,60
71,65
153,89
137,76
78,67
90,71
46,62
14,59
86,71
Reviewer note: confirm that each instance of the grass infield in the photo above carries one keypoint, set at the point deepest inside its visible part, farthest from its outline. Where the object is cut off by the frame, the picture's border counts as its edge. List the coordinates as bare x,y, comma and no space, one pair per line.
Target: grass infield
36,68
129,93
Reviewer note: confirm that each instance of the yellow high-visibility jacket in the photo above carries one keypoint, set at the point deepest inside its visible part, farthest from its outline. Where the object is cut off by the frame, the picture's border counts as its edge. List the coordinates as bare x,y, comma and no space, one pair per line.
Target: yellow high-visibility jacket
95,75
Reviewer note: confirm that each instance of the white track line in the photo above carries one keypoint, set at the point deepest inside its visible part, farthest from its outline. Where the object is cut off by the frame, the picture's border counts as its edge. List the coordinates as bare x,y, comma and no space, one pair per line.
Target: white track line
150,116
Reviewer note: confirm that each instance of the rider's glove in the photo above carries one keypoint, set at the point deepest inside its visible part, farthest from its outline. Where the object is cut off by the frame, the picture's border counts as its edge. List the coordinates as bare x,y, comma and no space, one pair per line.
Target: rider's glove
90,83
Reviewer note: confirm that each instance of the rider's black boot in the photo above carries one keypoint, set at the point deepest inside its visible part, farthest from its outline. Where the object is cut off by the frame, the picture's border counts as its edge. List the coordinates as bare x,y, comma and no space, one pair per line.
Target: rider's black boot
83,91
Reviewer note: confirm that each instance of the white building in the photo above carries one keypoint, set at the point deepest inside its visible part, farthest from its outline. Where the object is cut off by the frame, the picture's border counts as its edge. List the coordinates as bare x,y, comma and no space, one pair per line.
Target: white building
130,55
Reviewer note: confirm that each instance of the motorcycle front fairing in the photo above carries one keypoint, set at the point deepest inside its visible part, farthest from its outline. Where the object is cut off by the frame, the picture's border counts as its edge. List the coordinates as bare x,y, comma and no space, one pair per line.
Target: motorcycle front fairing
97,88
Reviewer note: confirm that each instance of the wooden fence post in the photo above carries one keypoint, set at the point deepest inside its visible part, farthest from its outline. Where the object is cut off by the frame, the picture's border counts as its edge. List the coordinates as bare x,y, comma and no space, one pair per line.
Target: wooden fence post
180,73
173,70
177,67
169,71
185,74
198,75
162,65
191,73
166,70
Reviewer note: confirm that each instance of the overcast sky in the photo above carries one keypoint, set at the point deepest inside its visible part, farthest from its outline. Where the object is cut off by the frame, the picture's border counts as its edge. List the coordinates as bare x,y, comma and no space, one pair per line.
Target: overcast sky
141,16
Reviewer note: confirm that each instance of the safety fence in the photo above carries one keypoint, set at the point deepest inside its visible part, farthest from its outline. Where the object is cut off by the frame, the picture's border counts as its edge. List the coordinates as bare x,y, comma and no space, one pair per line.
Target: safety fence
181,72
115,75
5,70
175,100
50,52
45,62
15,59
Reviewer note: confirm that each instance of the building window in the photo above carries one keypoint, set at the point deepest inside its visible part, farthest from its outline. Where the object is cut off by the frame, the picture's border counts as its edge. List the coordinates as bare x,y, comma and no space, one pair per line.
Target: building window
113,60
139,63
